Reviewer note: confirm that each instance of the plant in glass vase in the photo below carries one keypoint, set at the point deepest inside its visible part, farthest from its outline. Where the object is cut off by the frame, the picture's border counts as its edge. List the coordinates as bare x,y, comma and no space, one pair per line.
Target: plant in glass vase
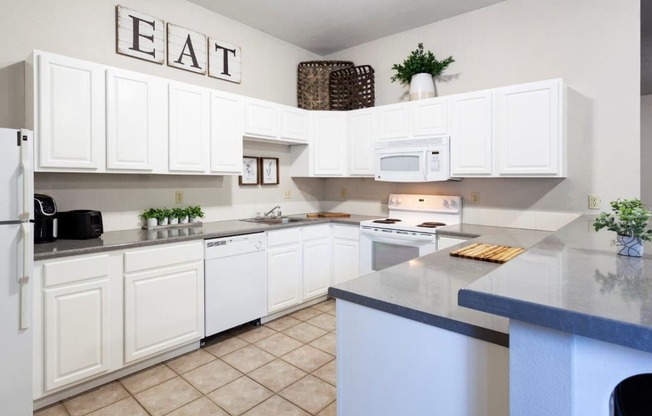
629,221
418,71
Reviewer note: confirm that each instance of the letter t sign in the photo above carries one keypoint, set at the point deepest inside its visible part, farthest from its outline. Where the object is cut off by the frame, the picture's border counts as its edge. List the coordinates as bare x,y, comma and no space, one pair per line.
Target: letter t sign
223,60
140,35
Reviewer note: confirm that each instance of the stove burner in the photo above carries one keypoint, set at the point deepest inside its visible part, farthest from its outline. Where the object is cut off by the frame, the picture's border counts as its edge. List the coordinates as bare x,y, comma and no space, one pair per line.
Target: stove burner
387,221
431,224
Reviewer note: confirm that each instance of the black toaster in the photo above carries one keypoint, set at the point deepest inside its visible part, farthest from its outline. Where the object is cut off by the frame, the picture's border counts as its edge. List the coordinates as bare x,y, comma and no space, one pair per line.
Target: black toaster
81,224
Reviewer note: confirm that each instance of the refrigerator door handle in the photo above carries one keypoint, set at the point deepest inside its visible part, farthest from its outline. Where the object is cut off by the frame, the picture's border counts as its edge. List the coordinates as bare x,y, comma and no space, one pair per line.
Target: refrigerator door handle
23,279
26,165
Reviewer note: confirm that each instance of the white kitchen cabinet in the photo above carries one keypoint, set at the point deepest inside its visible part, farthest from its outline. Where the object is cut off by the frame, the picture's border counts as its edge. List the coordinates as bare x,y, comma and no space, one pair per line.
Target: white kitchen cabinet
428,117
190,128
346,253
328,143
261,118
362,137
528,122
471,134
394,121
163,298
317,260
136,117
69,110
284,269
227,119
293,124
74,302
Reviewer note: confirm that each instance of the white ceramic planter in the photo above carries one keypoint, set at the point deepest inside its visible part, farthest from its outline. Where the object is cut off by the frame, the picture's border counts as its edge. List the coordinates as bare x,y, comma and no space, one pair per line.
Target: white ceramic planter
629,246
183,220
194,219
152,222
422,86
174,221
164,221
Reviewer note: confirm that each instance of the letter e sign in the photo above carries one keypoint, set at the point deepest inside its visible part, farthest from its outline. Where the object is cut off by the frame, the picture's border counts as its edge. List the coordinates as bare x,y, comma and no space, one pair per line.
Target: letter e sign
186,49
223,60
140,35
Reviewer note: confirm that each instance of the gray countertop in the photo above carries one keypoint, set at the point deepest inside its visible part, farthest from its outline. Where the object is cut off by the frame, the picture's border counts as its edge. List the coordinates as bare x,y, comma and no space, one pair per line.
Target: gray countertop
573,281
425,289
119,240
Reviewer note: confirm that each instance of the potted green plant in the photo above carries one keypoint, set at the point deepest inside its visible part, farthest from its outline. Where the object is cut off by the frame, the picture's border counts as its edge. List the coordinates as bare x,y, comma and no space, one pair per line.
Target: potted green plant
418,71
194,213
162,215
180,215
149,216
629,221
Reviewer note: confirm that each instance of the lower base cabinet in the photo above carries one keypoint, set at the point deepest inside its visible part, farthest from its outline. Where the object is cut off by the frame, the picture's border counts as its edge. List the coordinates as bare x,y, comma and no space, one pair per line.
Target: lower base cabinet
346,253
317,268
284,270
94,314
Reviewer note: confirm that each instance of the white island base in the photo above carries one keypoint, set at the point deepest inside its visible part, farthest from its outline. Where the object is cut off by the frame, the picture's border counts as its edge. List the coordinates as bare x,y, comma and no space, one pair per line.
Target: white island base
388,365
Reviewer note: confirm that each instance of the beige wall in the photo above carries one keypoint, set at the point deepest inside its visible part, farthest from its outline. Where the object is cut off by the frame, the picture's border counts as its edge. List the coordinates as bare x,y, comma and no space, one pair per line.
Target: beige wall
646,149
594,45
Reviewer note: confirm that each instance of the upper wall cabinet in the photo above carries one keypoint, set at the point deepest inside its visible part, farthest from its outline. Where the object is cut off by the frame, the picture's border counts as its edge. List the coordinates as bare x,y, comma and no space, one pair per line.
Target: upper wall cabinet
421,118
136,117
471,134
227,112
69,114
328,145
275,123
529,129
189,128
362,135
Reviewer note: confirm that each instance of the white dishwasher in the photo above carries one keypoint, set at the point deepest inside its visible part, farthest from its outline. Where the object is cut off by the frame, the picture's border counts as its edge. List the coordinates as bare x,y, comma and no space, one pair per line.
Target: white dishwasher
235,273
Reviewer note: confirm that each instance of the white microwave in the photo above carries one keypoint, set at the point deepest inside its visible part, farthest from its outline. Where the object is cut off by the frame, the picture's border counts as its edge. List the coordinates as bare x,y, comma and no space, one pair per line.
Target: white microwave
413,160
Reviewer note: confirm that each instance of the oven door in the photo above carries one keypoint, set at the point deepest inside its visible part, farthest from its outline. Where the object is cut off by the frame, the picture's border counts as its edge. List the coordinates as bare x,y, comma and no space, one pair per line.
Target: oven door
380,249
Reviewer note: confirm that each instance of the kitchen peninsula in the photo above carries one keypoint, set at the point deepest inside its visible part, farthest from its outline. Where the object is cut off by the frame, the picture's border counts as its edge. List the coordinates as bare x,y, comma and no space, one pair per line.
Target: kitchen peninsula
571,311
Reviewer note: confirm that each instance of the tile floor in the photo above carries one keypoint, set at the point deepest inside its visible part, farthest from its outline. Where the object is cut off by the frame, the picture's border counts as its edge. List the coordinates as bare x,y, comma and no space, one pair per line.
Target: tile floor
285,367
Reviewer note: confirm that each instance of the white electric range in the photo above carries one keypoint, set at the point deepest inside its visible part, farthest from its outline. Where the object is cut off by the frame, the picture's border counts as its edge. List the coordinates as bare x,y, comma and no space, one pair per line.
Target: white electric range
410,230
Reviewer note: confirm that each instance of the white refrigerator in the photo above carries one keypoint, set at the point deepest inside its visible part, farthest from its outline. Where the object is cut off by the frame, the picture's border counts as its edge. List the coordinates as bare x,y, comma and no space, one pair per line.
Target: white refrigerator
16,257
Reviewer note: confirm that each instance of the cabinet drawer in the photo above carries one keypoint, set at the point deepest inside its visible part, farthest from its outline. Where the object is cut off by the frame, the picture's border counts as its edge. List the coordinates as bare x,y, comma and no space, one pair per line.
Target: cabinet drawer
316,231
167,255
346,231
277,238
73,270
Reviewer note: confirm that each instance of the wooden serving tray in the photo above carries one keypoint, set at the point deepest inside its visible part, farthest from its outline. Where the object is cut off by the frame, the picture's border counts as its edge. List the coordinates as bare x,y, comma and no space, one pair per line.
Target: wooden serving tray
488,252
328,215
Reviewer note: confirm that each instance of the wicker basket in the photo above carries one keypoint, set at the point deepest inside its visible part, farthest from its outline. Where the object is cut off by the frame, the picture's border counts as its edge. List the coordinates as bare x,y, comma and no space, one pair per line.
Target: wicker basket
352,88
312,83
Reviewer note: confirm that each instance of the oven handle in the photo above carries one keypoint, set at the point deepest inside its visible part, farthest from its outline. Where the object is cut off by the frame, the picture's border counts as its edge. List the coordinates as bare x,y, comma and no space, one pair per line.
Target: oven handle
402,240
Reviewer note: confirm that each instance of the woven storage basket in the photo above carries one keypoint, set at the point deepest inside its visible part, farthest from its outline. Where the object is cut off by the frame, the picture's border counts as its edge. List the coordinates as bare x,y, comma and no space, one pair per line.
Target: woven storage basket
312,83
352,88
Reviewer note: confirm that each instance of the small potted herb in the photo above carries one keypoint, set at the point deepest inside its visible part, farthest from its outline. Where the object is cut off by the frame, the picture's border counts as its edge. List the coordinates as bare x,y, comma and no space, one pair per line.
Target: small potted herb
629,221
149,215
180,215
162,215
194,213
418,71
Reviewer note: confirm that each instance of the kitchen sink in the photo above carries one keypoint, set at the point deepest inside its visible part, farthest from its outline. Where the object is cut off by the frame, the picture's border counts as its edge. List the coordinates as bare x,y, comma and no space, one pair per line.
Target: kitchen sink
275,221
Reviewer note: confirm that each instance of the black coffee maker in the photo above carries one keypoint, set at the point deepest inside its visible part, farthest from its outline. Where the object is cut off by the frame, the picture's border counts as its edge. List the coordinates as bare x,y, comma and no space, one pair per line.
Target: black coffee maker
45,219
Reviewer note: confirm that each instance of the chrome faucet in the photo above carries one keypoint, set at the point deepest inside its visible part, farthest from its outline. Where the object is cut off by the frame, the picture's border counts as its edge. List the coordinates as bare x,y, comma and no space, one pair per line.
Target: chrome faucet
272,210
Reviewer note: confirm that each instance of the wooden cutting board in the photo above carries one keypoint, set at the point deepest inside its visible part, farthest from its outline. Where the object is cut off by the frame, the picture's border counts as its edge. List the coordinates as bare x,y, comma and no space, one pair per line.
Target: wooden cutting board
487,252
328,215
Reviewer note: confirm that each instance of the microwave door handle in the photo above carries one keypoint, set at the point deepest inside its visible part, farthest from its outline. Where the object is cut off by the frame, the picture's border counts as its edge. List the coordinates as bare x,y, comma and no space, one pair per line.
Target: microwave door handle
425,165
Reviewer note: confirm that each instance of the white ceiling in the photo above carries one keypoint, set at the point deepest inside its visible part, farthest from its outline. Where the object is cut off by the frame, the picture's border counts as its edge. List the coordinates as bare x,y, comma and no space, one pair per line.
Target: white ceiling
327,26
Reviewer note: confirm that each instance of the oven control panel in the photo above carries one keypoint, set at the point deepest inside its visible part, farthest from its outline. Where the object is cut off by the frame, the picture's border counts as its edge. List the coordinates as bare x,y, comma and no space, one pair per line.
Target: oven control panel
425,203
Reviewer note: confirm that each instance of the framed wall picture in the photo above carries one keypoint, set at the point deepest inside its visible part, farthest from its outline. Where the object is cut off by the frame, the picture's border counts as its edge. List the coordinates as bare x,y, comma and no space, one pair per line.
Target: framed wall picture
250,175
269,170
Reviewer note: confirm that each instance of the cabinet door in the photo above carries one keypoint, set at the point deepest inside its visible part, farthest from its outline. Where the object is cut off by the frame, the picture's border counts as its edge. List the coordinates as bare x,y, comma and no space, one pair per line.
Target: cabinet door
76,305
136,121
393,121
283,276
528,129
362,138
329,143
226,133
261,118
294,124
164,308
189,128
471,134
428,117
70,114
346,260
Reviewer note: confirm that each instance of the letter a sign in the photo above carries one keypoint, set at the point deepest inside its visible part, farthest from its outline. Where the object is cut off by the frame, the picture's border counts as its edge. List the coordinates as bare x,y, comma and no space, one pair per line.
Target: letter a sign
140,35
186,49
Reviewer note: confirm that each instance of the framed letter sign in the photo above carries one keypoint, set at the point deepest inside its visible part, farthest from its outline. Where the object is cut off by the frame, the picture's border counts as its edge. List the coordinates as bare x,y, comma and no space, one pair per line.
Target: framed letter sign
223,60
186,49
140,35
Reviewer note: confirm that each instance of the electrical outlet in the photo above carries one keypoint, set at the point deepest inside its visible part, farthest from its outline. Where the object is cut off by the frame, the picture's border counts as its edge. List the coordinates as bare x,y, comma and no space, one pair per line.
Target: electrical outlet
594,201
178,197
288,194
344,194
475,197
